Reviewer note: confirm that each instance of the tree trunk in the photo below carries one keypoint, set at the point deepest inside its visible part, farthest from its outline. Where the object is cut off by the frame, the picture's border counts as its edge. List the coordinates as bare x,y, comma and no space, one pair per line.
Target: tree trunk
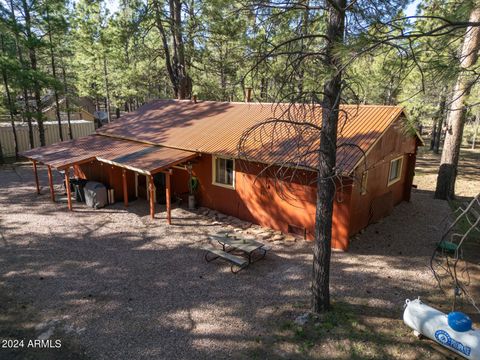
26,112
67,101
179,67
166,48
11,104
54,74
11,109
327,157
191,32
2,161
434,133
175,65
447,172
223,77
475,131
439,121
304,30
264,89
107,90
28,115
33,64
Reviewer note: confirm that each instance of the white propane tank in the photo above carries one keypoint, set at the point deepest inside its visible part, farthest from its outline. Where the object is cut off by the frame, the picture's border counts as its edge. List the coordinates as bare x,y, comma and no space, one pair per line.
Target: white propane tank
434,325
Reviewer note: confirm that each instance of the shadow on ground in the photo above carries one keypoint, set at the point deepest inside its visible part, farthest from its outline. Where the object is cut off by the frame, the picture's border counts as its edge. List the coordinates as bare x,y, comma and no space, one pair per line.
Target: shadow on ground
114,284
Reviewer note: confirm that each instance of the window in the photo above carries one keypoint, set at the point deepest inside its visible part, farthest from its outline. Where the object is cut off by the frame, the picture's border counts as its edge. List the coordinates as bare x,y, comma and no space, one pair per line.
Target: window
395,172
363,184
224,172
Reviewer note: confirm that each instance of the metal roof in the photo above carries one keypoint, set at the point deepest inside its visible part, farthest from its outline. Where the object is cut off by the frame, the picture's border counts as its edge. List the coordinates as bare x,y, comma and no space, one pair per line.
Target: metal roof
218,127
128,154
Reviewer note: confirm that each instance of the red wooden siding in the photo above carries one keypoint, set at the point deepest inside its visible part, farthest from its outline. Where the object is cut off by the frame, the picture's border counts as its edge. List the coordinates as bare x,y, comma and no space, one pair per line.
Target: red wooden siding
109,175
380,198
257,200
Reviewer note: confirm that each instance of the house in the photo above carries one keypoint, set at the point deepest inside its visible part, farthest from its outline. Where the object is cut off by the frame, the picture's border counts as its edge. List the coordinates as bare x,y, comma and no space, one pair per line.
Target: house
81,108
246,165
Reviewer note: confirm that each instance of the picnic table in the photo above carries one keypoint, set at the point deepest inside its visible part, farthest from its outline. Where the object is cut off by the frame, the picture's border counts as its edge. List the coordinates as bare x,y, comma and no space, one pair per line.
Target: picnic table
238,250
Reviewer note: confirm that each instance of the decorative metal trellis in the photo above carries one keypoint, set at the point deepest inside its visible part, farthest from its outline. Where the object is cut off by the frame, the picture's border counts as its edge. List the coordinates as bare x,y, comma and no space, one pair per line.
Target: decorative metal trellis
448,260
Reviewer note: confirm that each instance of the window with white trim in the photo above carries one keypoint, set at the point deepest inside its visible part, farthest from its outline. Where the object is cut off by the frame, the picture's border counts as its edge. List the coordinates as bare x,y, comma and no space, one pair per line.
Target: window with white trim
395,172
223,172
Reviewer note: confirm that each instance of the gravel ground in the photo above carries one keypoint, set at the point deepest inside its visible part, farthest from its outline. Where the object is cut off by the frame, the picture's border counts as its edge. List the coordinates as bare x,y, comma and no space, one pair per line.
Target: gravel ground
113,284
468,180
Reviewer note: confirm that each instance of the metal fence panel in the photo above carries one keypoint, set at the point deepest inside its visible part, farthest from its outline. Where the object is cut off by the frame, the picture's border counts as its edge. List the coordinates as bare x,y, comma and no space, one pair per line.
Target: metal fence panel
79,128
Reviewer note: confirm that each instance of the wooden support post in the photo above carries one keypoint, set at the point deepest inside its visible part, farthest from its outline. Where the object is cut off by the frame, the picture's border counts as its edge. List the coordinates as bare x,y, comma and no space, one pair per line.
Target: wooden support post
125,189
151,189
36,176
67,185
50,182
136,185
167,194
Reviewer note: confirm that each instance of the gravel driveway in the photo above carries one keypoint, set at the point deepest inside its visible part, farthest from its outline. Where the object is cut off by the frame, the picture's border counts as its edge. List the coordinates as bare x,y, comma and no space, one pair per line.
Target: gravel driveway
113,284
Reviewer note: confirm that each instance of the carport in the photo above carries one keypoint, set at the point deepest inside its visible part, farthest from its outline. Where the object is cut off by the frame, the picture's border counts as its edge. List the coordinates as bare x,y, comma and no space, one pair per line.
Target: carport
139,157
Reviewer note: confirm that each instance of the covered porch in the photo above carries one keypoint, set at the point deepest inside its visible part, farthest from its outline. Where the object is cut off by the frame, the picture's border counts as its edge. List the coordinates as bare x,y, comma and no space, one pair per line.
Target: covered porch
118,158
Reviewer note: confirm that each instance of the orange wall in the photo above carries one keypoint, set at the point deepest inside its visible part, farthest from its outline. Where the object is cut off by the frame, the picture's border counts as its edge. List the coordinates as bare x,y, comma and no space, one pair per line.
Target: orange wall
380,198
258,199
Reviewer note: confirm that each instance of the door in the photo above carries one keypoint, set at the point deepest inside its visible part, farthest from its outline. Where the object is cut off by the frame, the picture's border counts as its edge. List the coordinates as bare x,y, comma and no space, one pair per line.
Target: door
142,187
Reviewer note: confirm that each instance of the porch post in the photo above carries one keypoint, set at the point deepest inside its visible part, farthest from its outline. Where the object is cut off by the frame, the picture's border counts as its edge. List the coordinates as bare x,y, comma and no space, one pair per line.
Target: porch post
67,185
167,194
125,189
50,182
151,197
136,185
36,176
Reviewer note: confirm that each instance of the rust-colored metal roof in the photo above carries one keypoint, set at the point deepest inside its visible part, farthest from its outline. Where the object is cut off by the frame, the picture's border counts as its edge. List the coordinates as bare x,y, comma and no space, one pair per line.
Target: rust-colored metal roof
218,128
129,154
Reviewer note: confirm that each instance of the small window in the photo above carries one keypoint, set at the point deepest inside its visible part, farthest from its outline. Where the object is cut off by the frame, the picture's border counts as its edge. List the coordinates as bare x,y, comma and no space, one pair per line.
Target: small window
395,172
224,172
363,184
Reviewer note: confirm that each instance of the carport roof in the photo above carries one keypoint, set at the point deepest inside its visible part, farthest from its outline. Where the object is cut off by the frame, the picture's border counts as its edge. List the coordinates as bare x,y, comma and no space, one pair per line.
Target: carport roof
132,155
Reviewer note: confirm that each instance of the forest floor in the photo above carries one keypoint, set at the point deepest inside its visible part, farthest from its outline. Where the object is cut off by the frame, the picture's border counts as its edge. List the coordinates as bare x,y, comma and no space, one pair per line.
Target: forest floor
468,181
369,324
112,283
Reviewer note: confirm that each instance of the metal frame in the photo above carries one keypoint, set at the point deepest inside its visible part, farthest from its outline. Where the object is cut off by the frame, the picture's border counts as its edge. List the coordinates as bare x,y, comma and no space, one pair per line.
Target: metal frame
248,254
232,267
251,256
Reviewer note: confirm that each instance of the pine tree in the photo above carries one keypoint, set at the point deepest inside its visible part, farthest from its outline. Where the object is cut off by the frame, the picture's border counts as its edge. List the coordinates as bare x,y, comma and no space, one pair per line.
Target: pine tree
33,43
8,65
447,172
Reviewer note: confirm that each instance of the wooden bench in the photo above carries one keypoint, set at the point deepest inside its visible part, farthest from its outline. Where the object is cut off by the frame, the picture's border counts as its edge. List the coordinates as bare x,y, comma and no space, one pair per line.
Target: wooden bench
236,261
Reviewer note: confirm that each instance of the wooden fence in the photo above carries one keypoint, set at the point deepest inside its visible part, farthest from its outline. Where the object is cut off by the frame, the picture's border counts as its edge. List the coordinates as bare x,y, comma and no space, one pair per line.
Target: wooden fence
79,128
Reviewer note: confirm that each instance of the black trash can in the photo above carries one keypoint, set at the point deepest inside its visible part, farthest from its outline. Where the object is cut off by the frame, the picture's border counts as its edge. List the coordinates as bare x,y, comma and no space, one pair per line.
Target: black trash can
78,185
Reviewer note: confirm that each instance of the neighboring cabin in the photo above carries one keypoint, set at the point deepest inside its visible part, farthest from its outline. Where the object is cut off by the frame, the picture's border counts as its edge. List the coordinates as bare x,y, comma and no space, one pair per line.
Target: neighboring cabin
376,162
81,108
